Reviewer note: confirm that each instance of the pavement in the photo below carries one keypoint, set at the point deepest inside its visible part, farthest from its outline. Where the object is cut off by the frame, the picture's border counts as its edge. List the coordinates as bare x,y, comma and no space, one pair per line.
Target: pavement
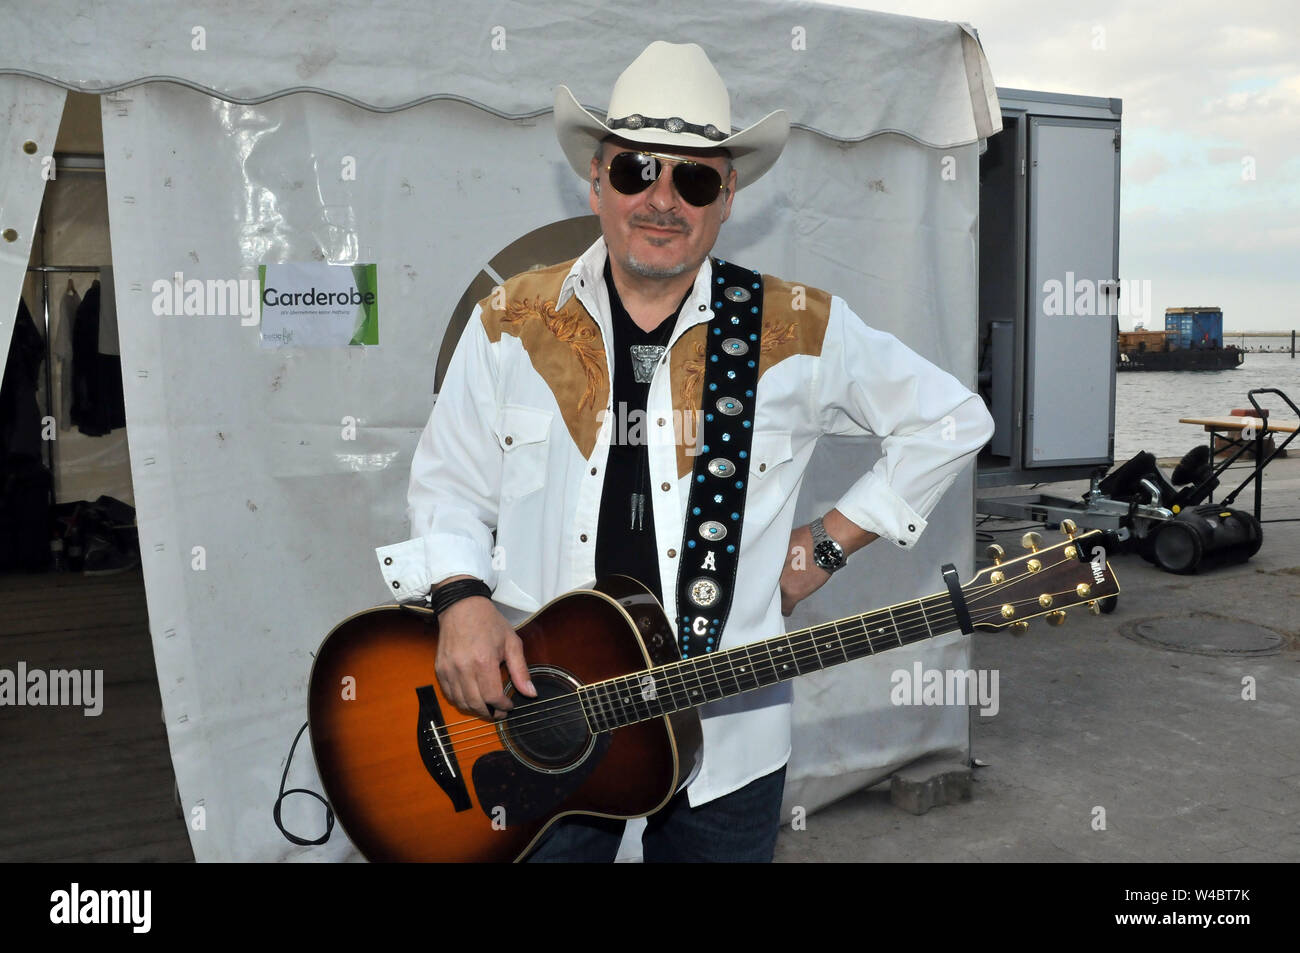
1164,731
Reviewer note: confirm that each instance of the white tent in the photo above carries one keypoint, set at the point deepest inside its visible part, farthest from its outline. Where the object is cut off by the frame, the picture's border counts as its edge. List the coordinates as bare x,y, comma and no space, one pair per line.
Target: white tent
225,137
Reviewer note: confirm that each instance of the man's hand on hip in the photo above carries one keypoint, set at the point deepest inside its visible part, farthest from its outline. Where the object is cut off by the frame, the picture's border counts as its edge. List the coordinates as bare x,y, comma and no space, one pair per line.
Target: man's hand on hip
473,640
801,577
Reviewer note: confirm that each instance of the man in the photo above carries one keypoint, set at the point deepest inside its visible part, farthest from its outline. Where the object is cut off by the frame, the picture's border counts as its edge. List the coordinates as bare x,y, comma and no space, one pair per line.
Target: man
606,415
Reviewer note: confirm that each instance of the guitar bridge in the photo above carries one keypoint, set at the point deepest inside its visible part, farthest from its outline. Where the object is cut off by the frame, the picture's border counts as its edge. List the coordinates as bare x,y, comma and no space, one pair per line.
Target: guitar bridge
436,751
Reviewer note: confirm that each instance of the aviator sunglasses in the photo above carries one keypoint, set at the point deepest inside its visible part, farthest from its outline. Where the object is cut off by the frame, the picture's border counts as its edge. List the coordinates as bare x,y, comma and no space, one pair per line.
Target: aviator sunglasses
633,172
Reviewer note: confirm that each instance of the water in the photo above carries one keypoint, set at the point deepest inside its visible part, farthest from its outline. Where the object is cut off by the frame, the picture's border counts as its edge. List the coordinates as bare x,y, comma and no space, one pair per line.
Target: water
1149,403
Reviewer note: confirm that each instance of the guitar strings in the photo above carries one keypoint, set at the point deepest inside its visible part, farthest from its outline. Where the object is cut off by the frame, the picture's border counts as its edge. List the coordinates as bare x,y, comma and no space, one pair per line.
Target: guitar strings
569,709
684,671
803,634
911,615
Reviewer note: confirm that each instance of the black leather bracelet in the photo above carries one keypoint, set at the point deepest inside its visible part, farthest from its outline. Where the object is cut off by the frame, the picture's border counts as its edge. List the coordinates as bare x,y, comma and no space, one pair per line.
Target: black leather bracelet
445,596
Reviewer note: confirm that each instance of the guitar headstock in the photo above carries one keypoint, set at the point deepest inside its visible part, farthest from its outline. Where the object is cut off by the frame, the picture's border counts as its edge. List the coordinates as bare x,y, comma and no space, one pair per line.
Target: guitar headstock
1045,582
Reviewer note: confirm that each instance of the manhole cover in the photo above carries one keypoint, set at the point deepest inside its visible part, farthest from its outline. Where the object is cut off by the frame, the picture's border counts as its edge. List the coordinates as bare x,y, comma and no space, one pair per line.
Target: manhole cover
1204,634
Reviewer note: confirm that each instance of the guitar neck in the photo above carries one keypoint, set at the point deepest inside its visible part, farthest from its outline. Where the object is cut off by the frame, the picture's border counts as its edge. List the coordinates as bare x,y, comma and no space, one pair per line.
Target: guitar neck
1005,595
693,682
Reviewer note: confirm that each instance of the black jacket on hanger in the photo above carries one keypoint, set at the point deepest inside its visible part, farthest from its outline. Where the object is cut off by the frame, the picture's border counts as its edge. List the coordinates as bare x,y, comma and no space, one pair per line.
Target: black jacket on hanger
20,415
97,404
24,479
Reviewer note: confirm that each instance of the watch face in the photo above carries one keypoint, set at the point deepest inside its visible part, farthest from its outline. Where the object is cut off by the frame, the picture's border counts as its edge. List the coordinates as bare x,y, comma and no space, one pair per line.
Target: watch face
828,555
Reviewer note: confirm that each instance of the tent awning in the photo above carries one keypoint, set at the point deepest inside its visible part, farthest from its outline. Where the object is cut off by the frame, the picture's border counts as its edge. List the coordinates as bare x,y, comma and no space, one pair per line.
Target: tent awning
845,73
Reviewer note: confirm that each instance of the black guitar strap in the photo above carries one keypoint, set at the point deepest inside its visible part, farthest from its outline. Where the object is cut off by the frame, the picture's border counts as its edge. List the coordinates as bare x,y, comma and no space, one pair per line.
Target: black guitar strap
716,503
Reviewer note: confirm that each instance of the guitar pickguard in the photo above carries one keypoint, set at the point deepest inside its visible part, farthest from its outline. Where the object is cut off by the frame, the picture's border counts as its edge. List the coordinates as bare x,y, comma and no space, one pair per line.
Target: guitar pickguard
504,783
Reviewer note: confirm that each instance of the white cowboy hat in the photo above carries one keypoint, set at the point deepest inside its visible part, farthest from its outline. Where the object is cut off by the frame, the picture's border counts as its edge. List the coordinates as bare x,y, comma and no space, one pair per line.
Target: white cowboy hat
670,96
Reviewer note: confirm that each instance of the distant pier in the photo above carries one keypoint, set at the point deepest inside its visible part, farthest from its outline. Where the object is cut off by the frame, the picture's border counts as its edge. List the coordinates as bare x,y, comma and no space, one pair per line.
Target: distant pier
1262,342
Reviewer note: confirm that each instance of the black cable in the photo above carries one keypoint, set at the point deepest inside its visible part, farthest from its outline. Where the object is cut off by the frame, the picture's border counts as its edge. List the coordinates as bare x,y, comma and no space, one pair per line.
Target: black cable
275,813
1007,519
986,536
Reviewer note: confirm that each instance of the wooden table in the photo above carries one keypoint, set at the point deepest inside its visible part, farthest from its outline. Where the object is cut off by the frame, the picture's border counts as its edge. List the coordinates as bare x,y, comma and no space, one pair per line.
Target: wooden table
1235,425
1239,423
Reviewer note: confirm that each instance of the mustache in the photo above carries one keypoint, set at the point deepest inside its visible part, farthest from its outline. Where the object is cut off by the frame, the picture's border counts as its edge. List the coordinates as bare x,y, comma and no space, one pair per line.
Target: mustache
662,221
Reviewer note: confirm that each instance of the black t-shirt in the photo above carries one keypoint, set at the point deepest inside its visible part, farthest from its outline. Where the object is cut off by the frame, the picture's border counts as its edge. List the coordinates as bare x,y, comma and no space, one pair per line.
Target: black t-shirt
625,537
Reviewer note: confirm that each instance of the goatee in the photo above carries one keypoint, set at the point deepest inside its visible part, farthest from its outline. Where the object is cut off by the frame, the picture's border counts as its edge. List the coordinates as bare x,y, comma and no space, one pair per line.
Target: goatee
646,270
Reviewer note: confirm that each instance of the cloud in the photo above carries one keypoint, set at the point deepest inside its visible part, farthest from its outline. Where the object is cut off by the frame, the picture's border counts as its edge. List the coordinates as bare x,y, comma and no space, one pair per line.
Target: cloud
1210,178
1223,154
1145,168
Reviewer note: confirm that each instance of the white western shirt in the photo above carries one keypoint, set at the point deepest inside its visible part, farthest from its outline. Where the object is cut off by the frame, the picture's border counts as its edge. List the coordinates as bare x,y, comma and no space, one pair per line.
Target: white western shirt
496,456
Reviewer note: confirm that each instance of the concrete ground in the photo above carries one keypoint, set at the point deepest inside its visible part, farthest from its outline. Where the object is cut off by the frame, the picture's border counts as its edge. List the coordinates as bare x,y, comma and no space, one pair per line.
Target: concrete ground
1099,724
1184,768
78,788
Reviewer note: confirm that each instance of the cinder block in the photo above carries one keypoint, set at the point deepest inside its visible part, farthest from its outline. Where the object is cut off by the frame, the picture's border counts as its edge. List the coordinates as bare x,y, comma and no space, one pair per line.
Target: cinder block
930,783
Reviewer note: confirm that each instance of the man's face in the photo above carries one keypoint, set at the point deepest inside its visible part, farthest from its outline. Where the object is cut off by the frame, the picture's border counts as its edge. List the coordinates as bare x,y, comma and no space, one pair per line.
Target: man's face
656,233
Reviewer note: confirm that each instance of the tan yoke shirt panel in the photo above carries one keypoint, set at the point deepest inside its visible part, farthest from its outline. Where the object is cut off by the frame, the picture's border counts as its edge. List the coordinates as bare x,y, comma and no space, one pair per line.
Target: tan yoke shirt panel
565,347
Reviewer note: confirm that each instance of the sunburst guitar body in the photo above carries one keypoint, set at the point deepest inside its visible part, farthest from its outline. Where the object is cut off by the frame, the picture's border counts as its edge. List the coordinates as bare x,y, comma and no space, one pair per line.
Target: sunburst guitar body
412,778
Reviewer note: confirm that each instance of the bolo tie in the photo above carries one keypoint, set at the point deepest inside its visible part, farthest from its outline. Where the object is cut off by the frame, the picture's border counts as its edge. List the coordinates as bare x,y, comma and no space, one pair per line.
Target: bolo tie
645,358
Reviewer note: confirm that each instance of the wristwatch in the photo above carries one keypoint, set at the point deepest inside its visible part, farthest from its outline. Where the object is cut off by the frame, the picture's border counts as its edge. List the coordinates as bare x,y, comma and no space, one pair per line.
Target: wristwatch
827,554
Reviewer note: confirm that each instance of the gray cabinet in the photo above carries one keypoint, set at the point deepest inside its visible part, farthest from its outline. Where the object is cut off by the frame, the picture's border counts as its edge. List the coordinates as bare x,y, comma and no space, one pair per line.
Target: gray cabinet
1049,289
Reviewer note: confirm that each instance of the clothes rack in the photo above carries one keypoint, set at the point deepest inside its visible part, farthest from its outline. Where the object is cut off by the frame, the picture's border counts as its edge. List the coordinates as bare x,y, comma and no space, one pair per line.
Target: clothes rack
63,162
46,271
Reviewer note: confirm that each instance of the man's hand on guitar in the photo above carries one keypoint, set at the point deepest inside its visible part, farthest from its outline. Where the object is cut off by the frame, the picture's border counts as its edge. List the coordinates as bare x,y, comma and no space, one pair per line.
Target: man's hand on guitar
473,640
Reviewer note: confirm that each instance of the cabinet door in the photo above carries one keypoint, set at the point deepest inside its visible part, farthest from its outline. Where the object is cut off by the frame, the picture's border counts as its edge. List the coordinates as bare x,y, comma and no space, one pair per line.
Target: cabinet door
1073,263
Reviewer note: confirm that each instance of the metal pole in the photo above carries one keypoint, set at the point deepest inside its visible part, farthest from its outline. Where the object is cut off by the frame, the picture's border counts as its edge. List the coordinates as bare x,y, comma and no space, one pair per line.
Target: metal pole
1209,498
49,374
49,381
45,272
1259,467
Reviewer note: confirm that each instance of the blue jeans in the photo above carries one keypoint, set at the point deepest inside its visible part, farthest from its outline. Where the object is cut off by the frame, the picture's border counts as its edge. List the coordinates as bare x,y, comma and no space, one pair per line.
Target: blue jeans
739,827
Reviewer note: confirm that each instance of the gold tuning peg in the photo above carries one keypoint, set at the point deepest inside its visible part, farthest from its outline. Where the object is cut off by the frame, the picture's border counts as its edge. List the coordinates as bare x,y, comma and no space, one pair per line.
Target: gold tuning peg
1094,607
1019,628
1069,527
1056,617
996,553
1031,542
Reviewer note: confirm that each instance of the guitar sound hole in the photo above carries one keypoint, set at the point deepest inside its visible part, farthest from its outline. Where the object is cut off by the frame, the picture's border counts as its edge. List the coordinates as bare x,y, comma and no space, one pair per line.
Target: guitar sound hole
548,732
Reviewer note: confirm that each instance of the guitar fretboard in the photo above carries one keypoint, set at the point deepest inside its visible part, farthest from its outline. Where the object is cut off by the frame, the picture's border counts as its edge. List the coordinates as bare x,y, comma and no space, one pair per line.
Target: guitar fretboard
669,688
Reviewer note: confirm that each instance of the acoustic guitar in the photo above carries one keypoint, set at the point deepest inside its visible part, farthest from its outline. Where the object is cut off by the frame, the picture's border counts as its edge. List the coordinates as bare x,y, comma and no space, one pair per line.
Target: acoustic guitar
614,729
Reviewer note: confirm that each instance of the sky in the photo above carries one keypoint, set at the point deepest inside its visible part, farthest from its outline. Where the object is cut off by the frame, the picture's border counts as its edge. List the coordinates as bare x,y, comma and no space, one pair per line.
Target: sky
1210,144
